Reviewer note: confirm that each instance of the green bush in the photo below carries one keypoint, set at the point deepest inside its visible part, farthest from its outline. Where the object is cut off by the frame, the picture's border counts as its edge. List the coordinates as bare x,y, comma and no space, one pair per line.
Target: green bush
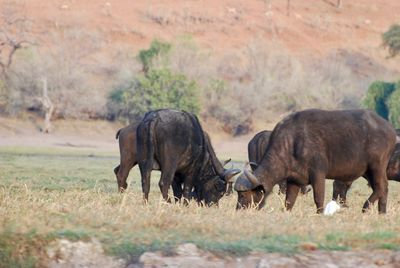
391,40
147,56
155,90
393,104
377,96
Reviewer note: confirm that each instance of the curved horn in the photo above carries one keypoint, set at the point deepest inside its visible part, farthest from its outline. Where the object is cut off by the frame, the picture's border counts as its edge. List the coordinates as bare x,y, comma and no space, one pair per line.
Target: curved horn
226,162
252,178
243,184
229,173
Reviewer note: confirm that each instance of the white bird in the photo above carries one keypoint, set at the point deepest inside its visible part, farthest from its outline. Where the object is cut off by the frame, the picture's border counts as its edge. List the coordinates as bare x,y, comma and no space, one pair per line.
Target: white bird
331,208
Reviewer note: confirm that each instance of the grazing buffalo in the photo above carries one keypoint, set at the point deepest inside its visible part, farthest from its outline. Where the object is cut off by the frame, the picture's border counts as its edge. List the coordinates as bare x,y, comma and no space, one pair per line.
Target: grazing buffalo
127,149
340,188
176,142
128,159
308,146
256,149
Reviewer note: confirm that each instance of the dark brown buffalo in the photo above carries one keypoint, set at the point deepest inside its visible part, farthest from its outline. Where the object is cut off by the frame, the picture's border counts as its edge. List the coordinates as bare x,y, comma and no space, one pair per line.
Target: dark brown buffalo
256,149
312,145
128,159
127,150
176,141
340,188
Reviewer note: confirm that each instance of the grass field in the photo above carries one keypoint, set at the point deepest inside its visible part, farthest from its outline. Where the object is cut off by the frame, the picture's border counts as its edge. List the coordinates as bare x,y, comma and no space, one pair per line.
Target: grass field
48,193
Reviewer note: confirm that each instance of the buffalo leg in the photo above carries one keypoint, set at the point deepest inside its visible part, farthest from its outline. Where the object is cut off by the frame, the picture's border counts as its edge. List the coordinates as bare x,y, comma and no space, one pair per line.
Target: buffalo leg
116,170
145,172
305,189
123,173
292,190
187,190
177,188
378,181
167,176
318,184
340,191
282,186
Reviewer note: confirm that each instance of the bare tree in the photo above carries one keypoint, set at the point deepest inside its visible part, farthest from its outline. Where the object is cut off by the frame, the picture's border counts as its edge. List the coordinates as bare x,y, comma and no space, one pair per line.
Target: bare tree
288,8
48,107
13,34
339,4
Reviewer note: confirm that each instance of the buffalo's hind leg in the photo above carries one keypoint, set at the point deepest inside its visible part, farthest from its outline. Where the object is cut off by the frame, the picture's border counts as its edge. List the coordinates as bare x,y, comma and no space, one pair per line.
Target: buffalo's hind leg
168,168
145,172
378,181
318,184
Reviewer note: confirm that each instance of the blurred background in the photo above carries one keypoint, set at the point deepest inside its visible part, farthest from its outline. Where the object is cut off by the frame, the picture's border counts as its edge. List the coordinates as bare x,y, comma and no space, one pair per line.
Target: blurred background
241,66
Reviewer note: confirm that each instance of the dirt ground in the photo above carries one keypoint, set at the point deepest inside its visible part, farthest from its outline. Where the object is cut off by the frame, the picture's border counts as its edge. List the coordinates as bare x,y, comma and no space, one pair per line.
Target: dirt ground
96,135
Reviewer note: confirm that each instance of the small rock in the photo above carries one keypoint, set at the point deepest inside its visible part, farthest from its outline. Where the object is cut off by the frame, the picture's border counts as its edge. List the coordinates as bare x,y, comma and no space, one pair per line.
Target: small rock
308,246
188,249
380,262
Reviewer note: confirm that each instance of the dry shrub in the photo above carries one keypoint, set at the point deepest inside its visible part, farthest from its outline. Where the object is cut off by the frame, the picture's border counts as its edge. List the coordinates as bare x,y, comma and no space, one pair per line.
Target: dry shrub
266,82
78,74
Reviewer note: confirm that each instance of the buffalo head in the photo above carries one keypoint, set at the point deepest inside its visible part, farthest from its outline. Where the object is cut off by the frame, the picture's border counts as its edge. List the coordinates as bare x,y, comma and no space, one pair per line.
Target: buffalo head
215,186
250,191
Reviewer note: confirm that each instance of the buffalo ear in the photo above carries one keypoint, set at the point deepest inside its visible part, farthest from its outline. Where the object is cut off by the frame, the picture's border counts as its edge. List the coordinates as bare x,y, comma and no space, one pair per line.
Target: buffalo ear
253,165
220,185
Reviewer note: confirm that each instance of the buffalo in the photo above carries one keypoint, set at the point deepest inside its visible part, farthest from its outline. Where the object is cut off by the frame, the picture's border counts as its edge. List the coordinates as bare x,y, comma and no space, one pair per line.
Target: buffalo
127,149
308,146
256,149
392,171
128,159
175,142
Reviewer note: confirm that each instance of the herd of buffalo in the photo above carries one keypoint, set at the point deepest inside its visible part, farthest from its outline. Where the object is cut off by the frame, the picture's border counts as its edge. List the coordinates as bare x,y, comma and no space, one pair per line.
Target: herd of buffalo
303,150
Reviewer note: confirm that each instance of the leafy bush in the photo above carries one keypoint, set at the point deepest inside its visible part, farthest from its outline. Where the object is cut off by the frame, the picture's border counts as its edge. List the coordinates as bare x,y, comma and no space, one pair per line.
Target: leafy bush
391,40
393,104
377,96
155,90
148,56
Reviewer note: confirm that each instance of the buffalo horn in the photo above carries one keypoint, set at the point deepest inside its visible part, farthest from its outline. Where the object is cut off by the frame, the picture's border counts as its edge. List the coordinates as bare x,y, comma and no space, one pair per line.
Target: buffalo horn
229,173
251,177
226,162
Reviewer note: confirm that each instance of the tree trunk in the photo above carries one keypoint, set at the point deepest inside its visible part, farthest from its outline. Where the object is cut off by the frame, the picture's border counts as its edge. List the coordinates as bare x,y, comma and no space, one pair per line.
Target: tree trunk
48,108
339,4
288,8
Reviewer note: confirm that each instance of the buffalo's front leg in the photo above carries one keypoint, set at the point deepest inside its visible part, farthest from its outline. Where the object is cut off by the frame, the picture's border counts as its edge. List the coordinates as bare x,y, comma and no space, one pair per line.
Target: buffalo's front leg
292,191
187,189
282,186
177,188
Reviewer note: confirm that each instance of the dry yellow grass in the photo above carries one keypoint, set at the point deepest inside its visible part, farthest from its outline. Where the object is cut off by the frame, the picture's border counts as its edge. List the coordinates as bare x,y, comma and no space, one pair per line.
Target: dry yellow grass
93,208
